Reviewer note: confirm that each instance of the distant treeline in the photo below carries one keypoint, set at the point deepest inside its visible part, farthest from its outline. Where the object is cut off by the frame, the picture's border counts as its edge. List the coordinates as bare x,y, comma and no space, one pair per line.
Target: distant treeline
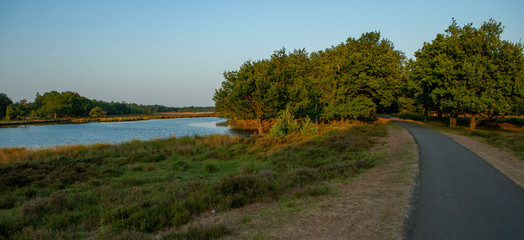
71,105
466,71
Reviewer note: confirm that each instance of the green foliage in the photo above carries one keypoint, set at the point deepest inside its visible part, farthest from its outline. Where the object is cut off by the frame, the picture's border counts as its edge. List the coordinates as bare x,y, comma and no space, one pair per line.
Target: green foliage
351,80
11,112
17,110
412,116
211,168
512,141
70,104
96,112
5,101
142,188
285,124
308,127
359,77
470,71
255,91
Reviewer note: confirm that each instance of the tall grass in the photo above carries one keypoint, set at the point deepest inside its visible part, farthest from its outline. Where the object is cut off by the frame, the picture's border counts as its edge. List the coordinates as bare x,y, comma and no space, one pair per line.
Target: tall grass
143,188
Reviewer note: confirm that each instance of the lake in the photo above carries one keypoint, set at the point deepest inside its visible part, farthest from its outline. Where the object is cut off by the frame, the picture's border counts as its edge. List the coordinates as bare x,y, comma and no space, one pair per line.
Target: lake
36,136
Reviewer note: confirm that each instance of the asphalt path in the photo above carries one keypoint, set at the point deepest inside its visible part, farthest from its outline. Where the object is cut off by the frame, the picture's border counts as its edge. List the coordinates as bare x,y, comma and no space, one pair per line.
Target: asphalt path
461,196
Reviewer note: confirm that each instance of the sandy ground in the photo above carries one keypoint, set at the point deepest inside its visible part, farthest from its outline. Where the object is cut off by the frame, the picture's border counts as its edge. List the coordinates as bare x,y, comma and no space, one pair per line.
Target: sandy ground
374,205
503,161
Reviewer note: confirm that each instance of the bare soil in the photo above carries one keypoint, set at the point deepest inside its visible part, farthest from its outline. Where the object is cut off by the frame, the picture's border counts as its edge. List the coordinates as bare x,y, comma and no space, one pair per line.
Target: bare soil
373,205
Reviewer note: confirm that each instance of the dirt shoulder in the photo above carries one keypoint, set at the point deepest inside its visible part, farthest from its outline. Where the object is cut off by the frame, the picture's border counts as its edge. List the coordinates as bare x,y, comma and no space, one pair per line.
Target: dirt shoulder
503,161
373,205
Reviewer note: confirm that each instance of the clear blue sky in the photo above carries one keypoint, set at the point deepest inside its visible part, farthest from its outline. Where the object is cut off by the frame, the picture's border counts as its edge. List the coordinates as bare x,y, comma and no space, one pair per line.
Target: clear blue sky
175,52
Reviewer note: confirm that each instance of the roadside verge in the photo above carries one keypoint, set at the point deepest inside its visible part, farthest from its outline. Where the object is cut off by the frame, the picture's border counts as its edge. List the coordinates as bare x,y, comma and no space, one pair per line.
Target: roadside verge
373,205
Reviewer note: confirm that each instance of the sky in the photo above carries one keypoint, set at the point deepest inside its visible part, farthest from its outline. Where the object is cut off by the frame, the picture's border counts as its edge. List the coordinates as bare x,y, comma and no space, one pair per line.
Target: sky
174,53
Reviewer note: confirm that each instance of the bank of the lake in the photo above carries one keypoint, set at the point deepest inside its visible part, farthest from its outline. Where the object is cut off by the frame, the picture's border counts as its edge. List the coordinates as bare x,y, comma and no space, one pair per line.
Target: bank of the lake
124,118
148,189
110,132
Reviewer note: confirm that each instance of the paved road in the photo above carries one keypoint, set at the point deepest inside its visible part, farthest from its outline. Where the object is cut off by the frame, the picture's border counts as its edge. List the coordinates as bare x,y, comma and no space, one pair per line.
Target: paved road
461,196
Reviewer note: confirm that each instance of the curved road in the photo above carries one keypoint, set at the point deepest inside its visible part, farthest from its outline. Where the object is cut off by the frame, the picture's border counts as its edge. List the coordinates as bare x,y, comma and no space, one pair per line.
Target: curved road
460,196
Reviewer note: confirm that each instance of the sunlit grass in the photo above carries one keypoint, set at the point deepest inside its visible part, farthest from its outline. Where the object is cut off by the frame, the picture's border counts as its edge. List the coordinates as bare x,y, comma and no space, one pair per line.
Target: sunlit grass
145,187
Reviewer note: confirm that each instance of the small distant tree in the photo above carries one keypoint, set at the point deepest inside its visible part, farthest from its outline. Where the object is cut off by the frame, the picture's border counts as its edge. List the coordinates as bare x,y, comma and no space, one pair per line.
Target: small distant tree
5,101
255,92
11,113
17,110
96,112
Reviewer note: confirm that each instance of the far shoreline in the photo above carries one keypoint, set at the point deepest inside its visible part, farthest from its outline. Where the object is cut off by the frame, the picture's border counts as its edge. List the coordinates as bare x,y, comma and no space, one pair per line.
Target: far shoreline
119,118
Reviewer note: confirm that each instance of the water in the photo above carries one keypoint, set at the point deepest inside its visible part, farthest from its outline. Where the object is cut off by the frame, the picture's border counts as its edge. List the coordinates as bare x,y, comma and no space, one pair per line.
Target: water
36,136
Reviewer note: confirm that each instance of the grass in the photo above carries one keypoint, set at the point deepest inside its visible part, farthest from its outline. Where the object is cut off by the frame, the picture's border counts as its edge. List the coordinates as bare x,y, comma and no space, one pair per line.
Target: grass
504,134
513,141
147,189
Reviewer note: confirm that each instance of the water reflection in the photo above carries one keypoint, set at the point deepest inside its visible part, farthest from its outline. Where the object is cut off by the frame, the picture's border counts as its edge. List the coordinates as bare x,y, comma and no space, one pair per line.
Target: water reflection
67,134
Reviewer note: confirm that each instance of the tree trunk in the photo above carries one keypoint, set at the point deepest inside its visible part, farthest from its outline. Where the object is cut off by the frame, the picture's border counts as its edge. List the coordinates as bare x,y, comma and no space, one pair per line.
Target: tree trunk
472,122
439,115
260,127
426,115
453,120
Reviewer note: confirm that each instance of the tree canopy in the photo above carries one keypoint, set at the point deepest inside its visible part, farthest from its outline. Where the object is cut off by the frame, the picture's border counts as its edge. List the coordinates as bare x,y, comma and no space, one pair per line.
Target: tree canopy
349,81
72,105
470,71
5,101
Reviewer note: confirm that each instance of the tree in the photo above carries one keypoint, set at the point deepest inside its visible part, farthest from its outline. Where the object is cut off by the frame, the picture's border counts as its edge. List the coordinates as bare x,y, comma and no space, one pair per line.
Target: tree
5,101
11,112
17,110
254,92
351,80
359,77
470,71
96,112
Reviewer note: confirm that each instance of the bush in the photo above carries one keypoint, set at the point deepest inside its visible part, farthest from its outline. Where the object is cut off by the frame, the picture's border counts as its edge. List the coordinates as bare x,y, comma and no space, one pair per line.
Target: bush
412,116
308,127
285,124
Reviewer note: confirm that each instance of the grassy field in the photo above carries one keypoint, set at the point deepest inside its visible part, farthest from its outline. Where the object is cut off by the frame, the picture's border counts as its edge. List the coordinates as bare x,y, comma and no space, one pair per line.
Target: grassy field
149,189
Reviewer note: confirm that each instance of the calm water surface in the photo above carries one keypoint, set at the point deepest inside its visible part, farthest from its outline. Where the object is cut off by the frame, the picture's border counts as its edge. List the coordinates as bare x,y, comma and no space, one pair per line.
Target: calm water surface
66,134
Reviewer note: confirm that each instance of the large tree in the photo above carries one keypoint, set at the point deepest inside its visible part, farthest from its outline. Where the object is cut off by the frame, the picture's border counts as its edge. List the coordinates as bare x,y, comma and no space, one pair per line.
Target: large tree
359,77
470,71
254,92
348,81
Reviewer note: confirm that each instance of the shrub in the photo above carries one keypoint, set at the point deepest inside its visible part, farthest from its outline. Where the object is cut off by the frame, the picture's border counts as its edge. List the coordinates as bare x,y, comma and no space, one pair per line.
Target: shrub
304,176
285,124
308,127
35,208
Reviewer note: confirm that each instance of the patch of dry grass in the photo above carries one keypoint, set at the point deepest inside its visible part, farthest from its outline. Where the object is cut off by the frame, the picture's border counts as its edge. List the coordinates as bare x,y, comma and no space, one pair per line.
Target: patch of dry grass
373,205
